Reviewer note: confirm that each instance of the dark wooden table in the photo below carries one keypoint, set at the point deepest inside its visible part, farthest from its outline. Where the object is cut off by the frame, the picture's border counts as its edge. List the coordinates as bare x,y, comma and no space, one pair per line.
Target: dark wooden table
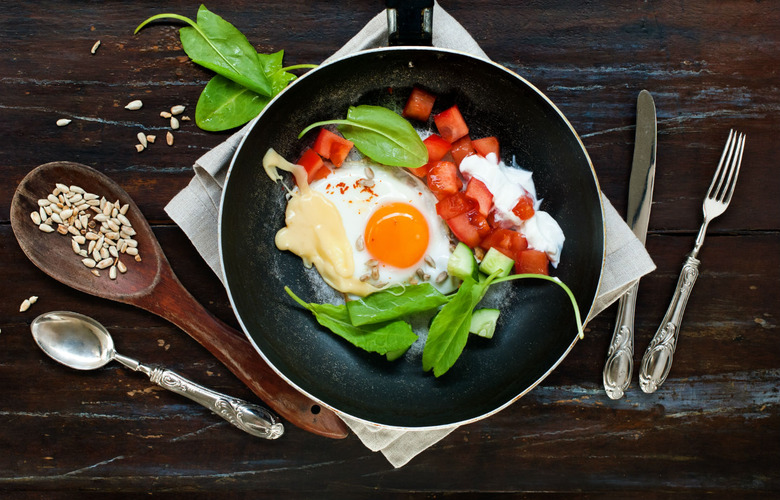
713,428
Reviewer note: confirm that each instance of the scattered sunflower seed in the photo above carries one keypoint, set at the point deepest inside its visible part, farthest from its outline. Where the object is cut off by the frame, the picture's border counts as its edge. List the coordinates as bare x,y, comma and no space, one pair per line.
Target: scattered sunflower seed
174,123
441,277
165,114
46,228
169,138
36,218
177,110
139,147
134,105
185,118
95,47
142,139
62,122
25,305
151,138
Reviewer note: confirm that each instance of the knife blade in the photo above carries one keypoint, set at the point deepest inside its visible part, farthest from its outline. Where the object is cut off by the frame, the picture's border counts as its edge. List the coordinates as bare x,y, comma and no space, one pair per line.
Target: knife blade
620,357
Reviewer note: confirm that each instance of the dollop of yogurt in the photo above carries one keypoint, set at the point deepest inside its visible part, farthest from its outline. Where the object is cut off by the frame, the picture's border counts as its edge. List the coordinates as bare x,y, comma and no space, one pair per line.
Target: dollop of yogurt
508,185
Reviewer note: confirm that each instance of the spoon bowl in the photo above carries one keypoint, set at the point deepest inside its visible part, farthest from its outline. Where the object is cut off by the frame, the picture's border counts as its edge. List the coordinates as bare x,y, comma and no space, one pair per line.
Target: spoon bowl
75,340
152,285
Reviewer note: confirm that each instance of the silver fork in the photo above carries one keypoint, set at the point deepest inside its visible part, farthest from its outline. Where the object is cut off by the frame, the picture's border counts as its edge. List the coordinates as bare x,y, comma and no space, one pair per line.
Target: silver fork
657,360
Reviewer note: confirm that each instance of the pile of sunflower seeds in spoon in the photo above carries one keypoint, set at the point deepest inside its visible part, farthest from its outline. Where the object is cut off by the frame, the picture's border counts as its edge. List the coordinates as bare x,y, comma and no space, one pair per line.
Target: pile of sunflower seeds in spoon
100,231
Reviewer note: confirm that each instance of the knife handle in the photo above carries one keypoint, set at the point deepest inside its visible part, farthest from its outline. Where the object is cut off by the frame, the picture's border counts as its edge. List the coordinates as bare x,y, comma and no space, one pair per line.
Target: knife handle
657,360
620,357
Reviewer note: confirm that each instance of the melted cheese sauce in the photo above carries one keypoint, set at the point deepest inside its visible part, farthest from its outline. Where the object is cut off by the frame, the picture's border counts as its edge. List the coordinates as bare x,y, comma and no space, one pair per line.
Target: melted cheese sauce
314,230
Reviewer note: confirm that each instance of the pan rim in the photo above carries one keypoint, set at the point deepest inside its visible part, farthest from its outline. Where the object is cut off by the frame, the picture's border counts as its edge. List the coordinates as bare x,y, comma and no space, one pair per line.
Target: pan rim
247,129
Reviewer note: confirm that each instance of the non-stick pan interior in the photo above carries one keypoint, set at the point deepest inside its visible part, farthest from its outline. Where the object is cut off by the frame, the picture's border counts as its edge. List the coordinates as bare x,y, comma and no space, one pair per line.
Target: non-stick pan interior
536,328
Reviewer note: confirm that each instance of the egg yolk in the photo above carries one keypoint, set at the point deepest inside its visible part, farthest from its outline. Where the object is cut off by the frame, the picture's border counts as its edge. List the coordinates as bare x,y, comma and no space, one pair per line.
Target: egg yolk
397,235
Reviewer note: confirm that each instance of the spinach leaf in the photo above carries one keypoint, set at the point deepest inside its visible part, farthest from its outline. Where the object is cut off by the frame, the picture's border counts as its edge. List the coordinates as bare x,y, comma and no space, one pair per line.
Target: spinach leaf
381,134
217,45
394,303
380,338
224,104
450,330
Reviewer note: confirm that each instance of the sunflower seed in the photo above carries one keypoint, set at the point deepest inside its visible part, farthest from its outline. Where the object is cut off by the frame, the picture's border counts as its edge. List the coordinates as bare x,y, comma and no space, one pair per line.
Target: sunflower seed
441,277
91,236
372,263
83,253
91,196
36,218
131,251
174,123
369,173
62,122
113,225
80,239
96,254
124,220
134,105
43,202
77,189
96,272
413,281
75,246
25,305
46,228
121,266
169,138
420,273
94,47
375,273
104,263
107,207
366,183
360,244
113,252
131,242
185,118
137,258
365,277
151,138
429,260
142,139
104,253
177,110
89,262
165,114
62,187
112,272
53,199
65,214
43,214
124,208
75,198
139,147
73,230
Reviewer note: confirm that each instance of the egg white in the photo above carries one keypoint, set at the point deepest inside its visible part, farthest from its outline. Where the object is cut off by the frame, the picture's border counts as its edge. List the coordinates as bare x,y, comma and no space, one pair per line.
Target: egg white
349,189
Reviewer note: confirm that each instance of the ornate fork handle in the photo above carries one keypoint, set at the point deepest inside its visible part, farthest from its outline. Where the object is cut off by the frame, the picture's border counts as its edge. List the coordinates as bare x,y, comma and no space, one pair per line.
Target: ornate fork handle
657,360
248,417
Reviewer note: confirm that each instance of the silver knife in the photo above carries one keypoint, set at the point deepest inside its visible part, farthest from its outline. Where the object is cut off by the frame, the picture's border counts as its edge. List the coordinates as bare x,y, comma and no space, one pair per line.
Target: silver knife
620,357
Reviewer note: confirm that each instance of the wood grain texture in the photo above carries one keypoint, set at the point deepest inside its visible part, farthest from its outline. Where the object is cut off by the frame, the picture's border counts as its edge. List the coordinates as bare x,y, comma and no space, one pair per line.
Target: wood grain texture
711,430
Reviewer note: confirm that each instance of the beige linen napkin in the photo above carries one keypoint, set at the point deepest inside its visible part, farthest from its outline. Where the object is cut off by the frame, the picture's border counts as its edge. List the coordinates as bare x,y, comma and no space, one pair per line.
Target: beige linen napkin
196,208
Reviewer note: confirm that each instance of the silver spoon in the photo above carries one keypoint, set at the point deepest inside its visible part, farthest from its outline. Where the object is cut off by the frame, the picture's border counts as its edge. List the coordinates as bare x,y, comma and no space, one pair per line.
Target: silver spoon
80,342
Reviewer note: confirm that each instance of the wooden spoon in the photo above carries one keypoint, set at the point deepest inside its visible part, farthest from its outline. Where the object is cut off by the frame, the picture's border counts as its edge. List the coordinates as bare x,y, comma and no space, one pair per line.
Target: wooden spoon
152,285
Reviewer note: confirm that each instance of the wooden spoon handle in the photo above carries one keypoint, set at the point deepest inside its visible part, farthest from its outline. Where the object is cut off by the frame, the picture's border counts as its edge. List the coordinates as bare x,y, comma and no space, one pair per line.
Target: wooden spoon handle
174,303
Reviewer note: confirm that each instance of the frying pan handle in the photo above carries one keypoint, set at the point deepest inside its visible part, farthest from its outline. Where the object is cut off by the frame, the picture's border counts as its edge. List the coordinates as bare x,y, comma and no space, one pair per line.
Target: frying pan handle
410,22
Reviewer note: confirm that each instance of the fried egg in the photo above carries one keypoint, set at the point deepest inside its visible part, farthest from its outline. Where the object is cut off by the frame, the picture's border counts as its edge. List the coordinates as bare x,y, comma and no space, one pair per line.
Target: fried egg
390,220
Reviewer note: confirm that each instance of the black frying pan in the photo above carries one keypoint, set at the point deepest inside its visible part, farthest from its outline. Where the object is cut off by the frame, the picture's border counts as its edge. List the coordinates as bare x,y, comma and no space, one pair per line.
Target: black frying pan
537,327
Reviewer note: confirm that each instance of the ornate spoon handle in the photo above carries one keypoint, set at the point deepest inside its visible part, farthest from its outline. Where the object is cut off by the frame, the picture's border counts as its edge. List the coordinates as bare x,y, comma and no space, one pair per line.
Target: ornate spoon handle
620,357
657,360
248,417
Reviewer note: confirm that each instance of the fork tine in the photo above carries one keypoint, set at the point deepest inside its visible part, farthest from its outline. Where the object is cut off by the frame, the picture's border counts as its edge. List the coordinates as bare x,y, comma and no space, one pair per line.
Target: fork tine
725,159
734,171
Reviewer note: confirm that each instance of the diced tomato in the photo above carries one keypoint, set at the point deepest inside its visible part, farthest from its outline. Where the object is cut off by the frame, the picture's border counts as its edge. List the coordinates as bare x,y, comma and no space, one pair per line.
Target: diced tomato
437,147
443,179
455,204
510,243
461,149
478,191
532,262
321,174
469,227
331,146
419,104
451,124
485,146
312,162
421,171
524,208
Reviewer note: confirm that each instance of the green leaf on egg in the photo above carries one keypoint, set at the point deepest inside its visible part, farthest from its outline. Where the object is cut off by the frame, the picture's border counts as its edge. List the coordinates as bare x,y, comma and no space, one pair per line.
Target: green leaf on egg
381,134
